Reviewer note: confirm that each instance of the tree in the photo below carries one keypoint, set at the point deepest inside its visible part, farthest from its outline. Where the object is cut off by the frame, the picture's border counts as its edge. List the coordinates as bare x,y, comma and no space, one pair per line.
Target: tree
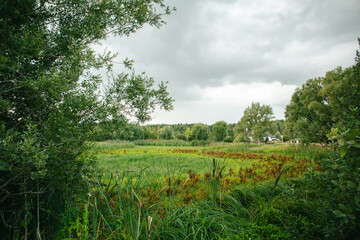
199,132
188,133
166,133
341,91
220,130
50,99
321,103
277,126
256,121
278,135
307,116
150,132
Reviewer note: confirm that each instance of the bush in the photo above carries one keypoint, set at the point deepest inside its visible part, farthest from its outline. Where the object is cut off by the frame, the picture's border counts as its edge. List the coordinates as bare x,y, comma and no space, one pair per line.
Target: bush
228,139
181,137
166,133
199,143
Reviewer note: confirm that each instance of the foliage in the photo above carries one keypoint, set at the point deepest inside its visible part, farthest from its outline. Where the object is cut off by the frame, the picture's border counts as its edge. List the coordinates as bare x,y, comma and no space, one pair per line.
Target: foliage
199,132
220,130
343,180
333,193
323,102
50,100
150,132
277,126
113,130
166,133
181,137
255,121
228,139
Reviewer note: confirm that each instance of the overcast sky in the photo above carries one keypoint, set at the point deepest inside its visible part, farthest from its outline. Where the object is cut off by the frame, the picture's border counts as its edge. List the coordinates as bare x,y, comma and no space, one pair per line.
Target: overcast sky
220,55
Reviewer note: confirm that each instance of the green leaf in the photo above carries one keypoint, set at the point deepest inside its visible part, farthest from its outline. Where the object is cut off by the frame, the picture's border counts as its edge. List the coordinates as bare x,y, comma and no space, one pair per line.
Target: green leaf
338,213
351,184
353,134
4,166
334,131
278,178
343,151
357,145
357,198
330,136
342,207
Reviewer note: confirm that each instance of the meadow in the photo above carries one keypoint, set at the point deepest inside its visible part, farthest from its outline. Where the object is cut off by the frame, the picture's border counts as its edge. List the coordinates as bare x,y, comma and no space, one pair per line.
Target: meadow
235,164
220,191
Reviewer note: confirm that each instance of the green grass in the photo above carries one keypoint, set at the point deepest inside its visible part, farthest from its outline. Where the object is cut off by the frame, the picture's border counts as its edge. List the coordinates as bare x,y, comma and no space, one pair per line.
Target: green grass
315,153
158,160
160,142
113,145
156,164
115,157
143,199
231,147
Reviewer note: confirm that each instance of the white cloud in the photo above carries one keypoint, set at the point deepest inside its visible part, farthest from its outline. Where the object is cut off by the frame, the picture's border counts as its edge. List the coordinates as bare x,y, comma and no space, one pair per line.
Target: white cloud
227,102
219,56
244,94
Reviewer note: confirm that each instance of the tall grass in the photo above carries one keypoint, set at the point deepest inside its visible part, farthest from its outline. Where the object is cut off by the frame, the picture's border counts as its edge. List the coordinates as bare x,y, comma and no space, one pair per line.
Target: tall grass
117,206
159,142
212,181
232,147
312,152
122,206
131,206
114,144
157,164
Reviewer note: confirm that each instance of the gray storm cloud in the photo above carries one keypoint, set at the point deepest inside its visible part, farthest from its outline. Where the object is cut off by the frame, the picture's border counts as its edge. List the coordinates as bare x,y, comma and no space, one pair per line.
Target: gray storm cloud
212,43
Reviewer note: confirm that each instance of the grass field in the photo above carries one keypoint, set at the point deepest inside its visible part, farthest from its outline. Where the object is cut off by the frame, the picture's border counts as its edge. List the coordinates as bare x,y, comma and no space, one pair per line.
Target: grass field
117,157
171,190
191,173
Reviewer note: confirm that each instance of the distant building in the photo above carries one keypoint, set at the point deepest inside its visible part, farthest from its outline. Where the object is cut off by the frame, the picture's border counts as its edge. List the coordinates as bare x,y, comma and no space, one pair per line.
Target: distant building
271,138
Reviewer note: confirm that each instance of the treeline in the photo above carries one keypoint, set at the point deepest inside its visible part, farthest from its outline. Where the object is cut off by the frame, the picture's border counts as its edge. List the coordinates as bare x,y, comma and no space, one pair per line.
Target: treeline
220,132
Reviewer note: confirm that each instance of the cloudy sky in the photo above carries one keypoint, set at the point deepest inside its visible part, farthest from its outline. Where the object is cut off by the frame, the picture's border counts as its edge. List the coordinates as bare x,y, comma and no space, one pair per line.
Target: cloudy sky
220,55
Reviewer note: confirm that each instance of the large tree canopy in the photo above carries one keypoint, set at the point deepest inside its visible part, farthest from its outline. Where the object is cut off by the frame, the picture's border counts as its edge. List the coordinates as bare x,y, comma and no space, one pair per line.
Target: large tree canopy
220,130
199,132
50,97
323,102
46,56
255,121
308,116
